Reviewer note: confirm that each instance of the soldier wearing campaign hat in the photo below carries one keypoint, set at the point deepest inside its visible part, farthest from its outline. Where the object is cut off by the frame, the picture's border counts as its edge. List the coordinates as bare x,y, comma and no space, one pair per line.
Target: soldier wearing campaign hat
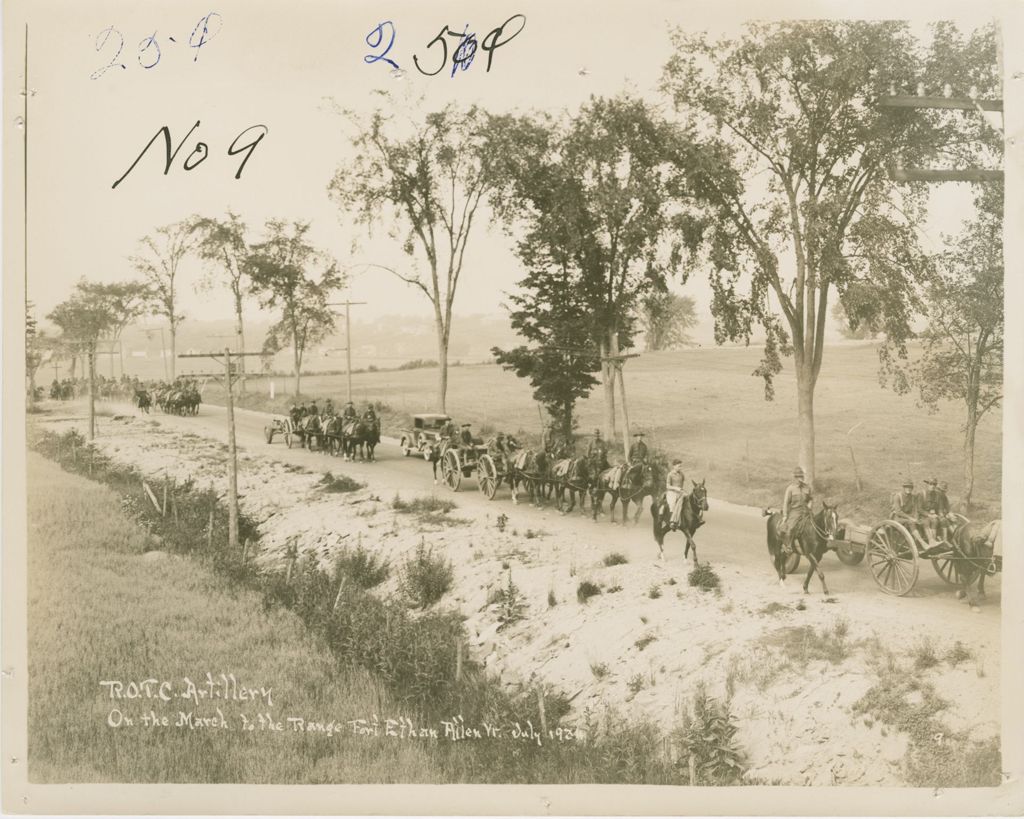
906,506
638,450
796,508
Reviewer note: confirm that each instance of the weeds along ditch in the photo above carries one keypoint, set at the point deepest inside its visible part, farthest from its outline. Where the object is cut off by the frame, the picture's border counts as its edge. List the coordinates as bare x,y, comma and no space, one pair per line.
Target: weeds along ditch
417,651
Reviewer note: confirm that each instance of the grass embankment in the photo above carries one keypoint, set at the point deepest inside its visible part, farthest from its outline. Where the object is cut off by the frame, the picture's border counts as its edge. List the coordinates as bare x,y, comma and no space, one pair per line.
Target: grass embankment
704,406
101,609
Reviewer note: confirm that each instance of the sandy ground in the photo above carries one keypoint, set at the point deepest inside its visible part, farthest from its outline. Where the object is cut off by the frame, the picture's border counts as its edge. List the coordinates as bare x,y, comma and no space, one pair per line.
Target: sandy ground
646,642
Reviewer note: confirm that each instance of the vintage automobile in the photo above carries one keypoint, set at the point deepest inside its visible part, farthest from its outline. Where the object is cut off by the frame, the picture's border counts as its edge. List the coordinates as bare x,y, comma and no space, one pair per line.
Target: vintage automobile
424,436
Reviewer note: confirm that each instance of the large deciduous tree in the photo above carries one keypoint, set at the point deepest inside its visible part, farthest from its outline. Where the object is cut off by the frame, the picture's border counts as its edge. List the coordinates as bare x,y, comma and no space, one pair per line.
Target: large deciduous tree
95,312
604,205
666,319
961,355
426,187
797,103
222,243
290,275
158,262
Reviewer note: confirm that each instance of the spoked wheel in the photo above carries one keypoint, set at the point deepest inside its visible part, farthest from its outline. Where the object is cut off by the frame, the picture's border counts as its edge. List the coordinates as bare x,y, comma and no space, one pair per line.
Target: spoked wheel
893,558
487,476
268,434
289,438
451,470
849,556
955,566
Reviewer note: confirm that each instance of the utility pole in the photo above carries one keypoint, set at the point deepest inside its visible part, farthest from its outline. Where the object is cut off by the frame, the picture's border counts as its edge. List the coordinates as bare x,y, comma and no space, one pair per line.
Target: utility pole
617,361
229,374
348,338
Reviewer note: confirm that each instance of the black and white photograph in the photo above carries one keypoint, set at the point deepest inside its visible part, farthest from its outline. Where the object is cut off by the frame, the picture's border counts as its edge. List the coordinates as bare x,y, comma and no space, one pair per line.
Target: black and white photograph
515,394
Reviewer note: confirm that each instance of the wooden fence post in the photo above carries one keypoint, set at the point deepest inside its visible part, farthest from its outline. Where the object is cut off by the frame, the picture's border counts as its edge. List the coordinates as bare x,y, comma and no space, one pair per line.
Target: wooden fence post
152,497
337,599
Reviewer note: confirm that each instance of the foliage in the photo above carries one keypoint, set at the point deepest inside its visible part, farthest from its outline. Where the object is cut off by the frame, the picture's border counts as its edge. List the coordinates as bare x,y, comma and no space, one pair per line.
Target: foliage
614,559
666,319
599,670
703,577
511,604
426,578
644,641
362,567
826,195
961,355
340,483
850,325
281,269
924,655
586,590
602,211
158,262
426,186
708,735
654,592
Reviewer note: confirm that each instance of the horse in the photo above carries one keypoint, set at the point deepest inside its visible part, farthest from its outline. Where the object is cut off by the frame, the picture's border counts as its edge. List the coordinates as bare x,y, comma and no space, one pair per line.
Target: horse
143,401
362,436
811,541
312,432
695,504
637,481
572,476
531,469
331,429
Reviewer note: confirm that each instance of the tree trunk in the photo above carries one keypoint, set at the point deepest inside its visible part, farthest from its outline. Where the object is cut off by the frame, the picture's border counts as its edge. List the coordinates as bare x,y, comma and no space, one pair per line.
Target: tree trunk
240,331
608,382
297,364
442,369
805,417
174,360
91,363
969,430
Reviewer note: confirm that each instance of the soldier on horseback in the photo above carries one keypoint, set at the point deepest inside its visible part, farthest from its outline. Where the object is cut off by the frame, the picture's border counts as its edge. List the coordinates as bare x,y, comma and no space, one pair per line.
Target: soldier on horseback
675,482
329,408
597,452
370,415
349,413
638,451
500,449
796,509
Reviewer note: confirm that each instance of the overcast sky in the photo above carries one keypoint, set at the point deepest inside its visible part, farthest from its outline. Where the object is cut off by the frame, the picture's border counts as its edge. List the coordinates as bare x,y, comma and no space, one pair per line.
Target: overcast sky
277,64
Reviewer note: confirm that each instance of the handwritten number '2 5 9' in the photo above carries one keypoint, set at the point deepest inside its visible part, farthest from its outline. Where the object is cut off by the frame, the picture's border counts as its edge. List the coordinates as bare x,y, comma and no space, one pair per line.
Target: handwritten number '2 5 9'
379,34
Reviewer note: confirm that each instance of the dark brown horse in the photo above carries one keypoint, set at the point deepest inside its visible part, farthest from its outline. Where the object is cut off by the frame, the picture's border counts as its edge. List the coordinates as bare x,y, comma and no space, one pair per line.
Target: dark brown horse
531,470
571,476
636,482
695,504
809,541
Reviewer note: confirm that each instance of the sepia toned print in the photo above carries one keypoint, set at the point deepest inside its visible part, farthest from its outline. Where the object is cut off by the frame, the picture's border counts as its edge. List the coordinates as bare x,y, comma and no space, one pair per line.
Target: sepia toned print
517,395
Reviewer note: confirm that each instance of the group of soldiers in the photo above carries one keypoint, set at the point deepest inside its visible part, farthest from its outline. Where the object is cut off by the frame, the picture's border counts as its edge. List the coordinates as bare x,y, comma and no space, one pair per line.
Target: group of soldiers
300,414
926,514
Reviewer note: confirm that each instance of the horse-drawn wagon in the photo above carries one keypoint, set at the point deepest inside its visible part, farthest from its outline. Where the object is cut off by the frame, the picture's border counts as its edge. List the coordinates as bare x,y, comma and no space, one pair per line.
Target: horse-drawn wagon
894,549
461,462
283,427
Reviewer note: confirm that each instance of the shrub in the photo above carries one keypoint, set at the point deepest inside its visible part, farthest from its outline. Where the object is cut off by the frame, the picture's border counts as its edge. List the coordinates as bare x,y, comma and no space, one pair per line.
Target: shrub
925,656
959,653
586,590
511,605
614,589
599,670
342,483
362,567
615,559
425,577
654,592
636,683
645,641
708,734
703,577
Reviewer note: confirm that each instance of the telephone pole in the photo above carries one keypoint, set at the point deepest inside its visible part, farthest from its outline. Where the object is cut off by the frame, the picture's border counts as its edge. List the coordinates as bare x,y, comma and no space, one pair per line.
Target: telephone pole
617,361
229,375
348,337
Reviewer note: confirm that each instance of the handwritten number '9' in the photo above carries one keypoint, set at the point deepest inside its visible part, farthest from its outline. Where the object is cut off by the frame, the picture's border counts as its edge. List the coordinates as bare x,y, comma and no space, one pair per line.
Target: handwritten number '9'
491,42
467,47
379,34
204,24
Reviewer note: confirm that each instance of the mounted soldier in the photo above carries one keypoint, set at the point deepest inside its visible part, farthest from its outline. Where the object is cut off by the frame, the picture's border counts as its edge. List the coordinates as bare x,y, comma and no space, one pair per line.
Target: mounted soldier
796,509
329,408
349,413
370,415
675,482
597,453
638,451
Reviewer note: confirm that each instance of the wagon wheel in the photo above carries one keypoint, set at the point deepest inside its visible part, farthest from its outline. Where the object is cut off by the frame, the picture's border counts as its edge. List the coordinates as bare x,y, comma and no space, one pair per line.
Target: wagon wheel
268,434
451,470
289,438
792,562
487,476
893,558
849,556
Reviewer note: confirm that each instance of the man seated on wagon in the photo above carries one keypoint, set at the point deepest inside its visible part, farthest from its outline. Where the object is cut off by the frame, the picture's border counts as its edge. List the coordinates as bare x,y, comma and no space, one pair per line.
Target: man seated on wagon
465,443
500,449
906,508
295,414
936,512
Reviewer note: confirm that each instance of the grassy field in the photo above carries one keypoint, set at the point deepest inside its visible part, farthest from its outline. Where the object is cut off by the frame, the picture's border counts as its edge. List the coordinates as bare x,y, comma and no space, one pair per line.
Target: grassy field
703,406
100,610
